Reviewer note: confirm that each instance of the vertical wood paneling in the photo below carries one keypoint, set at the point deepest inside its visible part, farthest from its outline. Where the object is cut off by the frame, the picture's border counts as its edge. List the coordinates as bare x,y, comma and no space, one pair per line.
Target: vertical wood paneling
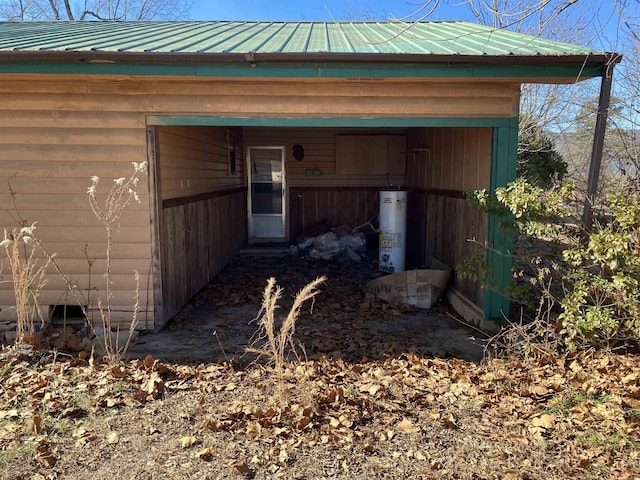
484,160
202,204
459,153
471,160
309,206
447,156
428,179
459,159
451,222
199,238
437,149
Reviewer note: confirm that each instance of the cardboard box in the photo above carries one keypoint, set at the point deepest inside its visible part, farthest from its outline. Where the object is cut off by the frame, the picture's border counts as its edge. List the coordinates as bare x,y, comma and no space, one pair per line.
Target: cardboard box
416,287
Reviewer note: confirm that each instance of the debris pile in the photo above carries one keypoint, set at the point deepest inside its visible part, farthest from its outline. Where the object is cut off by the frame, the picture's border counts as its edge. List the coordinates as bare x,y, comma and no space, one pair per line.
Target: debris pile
341,244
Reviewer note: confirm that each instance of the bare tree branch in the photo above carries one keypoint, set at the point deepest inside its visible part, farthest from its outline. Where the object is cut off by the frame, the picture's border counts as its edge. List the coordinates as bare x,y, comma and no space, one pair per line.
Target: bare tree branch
122,10
93,14
68,9
54,8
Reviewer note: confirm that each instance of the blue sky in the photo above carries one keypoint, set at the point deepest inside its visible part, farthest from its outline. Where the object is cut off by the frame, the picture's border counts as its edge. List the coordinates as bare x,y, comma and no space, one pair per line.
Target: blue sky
600,31
322,10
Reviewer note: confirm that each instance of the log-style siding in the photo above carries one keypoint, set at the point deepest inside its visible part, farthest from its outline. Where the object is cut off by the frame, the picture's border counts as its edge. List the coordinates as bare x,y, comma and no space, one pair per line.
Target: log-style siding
56,131
195,160
49,154
444,164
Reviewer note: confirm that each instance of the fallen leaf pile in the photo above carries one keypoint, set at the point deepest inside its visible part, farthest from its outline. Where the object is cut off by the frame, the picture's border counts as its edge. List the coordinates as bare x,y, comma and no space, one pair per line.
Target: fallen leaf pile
371,401
406,417
342,322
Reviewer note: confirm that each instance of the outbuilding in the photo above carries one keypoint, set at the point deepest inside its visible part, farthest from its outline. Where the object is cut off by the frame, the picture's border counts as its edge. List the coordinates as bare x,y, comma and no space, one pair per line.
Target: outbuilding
254,131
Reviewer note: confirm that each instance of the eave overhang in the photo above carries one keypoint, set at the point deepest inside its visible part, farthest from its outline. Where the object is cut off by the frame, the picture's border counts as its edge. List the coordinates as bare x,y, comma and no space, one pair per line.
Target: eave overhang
522,68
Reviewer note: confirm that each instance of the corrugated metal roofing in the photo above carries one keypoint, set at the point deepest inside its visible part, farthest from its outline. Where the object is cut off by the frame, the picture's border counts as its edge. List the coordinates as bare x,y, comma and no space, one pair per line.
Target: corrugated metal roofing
227,37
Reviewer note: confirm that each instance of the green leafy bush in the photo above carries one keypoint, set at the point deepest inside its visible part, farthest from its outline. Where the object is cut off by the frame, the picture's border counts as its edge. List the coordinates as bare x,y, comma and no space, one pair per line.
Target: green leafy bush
602,305
591,280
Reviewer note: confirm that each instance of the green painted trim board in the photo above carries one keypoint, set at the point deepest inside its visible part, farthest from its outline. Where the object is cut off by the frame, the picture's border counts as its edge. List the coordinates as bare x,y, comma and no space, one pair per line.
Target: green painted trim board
312,70
503,171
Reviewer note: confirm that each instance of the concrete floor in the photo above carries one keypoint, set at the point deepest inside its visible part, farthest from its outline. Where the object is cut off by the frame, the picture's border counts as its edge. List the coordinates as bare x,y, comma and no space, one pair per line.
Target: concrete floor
343,322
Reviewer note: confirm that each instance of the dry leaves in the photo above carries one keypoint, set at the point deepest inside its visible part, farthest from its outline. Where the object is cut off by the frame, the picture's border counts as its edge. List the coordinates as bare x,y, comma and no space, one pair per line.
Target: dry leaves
585,410
113,438
188,441
406,426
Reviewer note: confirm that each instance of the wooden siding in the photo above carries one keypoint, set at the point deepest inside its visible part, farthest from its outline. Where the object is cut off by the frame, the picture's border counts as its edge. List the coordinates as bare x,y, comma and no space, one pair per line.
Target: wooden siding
203,209
56,131
304,97
222,97
195,160
376,154
327,196
199,239
50,155
453,159
334,206
443,165
320,155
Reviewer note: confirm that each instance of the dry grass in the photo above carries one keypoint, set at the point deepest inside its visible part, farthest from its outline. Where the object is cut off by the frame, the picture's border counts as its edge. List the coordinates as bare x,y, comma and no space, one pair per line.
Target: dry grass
28,263
29,259
274,339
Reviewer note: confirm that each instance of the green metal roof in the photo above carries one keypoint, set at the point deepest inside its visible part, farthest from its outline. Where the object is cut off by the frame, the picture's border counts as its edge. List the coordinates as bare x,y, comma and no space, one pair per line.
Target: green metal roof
218,38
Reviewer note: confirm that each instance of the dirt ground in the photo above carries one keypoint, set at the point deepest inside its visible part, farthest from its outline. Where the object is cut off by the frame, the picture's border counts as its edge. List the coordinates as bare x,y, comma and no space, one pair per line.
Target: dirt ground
343,322
386,393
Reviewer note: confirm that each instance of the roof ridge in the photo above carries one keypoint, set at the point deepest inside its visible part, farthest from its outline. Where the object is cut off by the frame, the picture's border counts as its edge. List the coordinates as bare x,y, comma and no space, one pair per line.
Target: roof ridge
95,22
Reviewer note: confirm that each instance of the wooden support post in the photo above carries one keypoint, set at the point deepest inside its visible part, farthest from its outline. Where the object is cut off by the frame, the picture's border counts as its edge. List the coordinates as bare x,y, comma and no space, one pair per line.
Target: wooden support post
155,208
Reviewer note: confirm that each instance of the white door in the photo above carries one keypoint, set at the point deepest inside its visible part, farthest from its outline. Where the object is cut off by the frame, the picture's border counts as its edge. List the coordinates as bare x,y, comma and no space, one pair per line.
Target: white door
266,192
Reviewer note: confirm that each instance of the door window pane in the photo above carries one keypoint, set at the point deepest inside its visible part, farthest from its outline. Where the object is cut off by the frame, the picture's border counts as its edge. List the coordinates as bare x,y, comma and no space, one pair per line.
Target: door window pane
266,173
266,198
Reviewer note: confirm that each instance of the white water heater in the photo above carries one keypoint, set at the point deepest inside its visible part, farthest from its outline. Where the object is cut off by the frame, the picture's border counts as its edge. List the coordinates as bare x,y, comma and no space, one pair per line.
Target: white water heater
393,230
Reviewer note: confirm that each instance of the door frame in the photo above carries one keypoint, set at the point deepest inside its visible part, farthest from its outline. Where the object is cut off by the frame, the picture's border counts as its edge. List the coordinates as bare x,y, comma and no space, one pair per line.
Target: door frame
250,235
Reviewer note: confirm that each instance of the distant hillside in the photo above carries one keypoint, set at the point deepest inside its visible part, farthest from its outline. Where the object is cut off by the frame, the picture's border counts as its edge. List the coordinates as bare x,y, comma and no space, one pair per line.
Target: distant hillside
567,144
